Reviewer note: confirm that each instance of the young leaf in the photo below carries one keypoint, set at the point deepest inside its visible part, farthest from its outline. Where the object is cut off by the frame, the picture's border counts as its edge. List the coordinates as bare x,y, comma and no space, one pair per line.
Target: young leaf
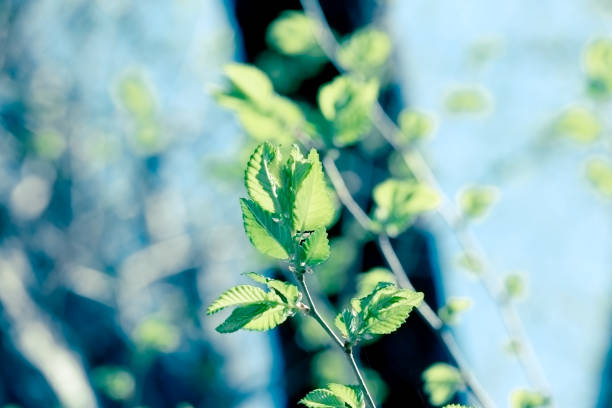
249,82
348,103
367,281
293,34
365,52
269,318
514,286
528,399
442,381
399,202
599,173
266,233
238,295
475,201
387,308
579,124
414,125
450,312
351,394
313,207
315,248
241,316
260,179
289,293
334,396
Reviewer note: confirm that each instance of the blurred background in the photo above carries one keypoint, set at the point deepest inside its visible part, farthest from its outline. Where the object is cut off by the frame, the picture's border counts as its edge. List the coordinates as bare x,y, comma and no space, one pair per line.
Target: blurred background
120,177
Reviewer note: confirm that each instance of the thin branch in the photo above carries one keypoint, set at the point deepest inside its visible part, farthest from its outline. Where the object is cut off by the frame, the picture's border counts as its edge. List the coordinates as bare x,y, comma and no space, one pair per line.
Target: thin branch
425,311
346,348
351,356
422,172
315,313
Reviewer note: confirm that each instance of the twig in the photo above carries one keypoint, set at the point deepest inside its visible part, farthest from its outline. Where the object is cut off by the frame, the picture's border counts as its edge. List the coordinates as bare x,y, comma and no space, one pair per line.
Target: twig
422,172
346,347
425,311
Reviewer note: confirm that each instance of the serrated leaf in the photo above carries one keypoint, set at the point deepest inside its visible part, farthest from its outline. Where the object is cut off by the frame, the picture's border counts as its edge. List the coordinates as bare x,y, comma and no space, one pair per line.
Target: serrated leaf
267,233
269,318
528,399
260,179
238,295
322,398
256,277
334,396
241,316
389,309
475,201
313,207
450,312
293,173
288,293
351,394
347,103
398,202
442,381
365,52
367,281
315,248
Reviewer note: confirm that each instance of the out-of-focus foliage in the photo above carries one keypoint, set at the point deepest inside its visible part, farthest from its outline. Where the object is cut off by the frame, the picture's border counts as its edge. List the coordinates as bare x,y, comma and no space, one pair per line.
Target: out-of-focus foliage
598,66
579,124
451,312
528,399
467,99
599,173
475,201
442,381
365,52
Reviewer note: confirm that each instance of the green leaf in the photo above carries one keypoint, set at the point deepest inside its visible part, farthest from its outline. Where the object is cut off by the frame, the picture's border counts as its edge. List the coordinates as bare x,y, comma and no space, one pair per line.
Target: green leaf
387,308
313,207
288,293
334,396
471,263
450,312
579,124
347,103
514,285
367,281
598,66
599,173
476,201
399,202
293,173
365,52
265,232
261,176
293,33
528,399
269,318
467,99
241,316
351,394
414,126
249,82
238,295
315,248
442,381
264,115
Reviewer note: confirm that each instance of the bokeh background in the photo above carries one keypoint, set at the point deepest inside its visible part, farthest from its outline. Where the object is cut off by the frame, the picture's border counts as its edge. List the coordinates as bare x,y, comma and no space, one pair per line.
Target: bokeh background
120,177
